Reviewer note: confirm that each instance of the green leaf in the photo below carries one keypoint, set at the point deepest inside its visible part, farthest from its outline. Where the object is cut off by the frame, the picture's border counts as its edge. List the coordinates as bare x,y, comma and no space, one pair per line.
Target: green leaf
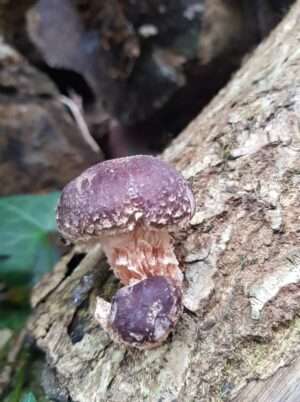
28,397
13,317
27,222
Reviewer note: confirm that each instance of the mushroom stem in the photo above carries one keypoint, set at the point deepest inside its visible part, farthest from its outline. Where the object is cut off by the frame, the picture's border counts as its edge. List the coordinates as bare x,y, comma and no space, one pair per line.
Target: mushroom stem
142,253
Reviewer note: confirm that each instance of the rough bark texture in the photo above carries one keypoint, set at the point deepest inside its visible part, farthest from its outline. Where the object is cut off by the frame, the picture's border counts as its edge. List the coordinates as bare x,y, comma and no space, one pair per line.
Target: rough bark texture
241,342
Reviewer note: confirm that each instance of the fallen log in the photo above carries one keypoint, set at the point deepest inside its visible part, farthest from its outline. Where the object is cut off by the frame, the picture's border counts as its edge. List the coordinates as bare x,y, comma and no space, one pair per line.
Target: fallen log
239,340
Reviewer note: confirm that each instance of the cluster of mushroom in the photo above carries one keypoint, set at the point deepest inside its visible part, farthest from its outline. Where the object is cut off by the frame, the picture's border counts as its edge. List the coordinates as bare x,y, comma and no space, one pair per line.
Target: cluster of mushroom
131,205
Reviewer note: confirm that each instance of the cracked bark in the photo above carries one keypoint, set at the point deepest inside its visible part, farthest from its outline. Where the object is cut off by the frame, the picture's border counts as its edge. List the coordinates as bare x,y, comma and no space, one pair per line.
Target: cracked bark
241,342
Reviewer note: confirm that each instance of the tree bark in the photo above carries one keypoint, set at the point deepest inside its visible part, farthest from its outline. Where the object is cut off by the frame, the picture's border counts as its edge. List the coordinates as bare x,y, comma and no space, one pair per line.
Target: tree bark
240,340
38,135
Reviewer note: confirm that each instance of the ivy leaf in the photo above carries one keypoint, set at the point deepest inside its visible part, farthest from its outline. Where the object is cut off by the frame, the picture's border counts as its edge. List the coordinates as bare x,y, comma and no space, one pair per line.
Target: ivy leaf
27,226
13,318
28,397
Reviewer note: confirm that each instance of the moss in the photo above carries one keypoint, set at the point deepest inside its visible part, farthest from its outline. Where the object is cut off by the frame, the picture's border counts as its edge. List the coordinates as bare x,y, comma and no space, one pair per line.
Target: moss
109,289
226,152
253,358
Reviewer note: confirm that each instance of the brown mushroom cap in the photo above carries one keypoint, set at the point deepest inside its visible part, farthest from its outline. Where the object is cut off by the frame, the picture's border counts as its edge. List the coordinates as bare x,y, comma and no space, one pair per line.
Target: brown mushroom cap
143,314
115,195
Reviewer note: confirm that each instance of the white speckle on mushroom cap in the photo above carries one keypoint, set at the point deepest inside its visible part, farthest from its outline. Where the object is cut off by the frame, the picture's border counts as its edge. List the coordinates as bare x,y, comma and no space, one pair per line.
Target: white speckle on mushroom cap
116,194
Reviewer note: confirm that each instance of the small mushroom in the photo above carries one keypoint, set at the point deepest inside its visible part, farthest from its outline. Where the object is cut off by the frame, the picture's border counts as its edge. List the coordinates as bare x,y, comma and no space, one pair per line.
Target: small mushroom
141,315
130,205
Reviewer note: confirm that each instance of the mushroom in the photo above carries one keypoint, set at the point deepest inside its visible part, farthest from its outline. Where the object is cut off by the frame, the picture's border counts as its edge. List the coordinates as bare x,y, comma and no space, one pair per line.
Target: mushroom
130,205
143,314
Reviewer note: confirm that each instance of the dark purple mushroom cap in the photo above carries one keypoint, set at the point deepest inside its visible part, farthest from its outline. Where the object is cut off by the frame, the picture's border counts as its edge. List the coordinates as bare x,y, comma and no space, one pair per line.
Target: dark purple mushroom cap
116,194
143,314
